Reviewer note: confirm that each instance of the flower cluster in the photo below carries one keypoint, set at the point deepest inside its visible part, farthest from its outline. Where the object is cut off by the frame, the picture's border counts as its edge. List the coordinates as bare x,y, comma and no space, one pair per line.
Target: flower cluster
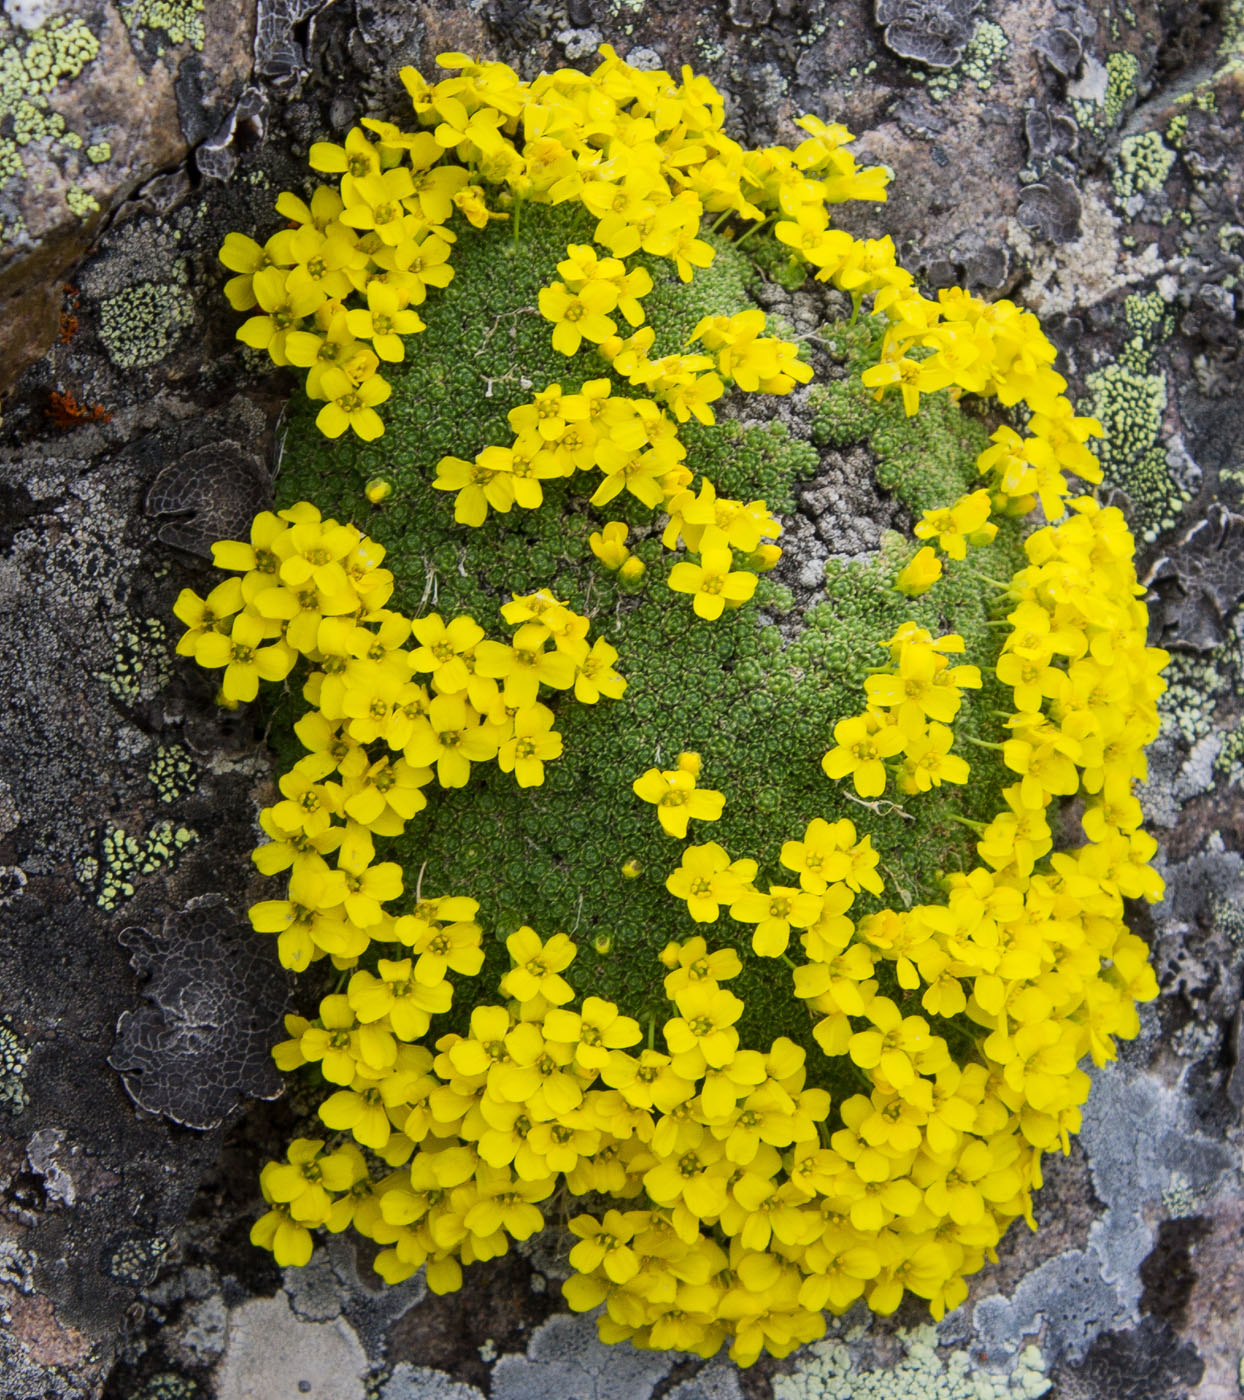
335,291
910,710
752,1201
397,705
635,447
832,867
1034,952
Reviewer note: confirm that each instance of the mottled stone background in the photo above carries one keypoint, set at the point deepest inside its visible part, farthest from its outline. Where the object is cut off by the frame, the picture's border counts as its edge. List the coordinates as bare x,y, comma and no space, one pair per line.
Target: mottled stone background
1085,158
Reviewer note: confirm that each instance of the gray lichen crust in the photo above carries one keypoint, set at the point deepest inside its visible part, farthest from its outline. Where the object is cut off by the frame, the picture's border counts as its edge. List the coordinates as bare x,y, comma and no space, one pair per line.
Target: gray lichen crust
202,1047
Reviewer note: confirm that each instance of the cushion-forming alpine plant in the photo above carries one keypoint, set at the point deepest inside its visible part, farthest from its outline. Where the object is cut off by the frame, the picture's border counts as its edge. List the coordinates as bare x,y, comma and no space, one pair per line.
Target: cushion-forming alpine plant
922,1051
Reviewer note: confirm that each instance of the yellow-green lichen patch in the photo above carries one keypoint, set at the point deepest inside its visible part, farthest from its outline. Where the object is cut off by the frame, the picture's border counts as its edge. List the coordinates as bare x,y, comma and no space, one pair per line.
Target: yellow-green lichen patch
13,1057
1196,687
31,70
1130,404
140,663
168,1385
180,21
135,1260
1105,112
140,325
81,202
123,858
1177,129
984,51
172,772
1230,760
758,700
828,1371
1147,315
1144,161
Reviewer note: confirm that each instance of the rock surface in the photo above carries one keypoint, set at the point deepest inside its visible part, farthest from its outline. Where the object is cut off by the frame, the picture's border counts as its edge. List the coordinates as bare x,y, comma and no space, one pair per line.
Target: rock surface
1085,158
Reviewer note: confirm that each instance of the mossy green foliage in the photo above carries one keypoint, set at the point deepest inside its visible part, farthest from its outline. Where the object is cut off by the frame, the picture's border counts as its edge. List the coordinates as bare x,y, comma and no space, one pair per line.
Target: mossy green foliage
756,700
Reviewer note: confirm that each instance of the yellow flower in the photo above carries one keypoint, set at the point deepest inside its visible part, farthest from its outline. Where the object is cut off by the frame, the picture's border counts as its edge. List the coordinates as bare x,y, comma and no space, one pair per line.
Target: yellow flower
351,405
921,574
604,1244
398,993
533,744
283,311
707,879
245,660
478,486
608,544
930,763
452,736
277,1231
677,799
599,1029
964,523
384,322
203,615
441,649
578,316
595,675
711,582
703,1031
863,743
537,967
774,915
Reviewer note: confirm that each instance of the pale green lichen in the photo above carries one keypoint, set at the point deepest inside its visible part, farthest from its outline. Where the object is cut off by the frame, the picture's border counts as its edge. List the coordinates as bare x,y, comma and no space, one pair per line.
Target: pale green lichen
1195,688
1230,760
140,325
1122,69
180,20
168,1385
1180,1198
172,772
13,1058
135,1260
1145,314
1231,52
81,202
140,664
1177,129
98,152
123,858
11,168
31,70
981,56
828,1371
1143,163
1130,404
984,52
